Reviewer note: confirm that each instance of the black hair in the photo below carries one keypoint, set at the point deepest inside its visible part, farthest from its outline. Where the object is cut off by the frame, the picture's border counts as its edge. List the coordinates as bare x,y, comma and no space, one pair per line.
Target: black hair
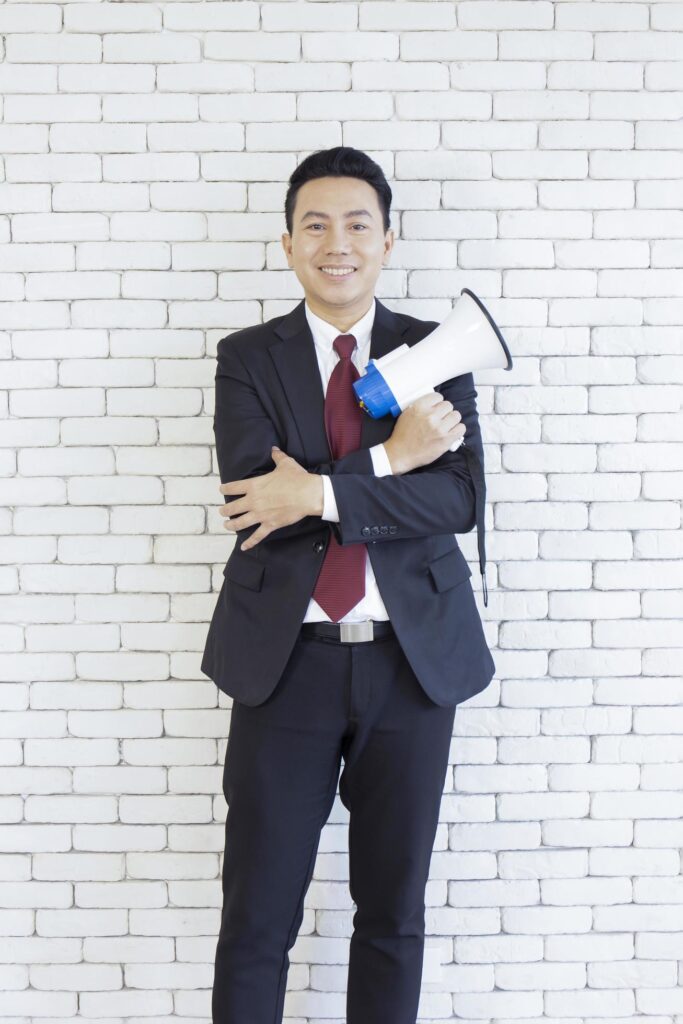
341,161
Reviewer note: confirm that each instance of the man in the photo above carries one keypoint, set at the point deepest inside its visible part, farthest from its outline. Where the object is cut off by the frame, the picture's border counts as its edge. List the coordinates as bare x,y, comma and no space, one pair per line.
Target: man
346,627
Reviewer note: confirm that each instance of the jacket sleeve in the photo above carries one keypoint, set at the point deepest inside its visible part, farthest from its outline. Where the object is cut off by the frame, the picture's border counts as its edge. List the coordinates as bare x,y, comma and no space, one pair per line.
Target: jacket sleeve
439,495
437,498
245,433
381,466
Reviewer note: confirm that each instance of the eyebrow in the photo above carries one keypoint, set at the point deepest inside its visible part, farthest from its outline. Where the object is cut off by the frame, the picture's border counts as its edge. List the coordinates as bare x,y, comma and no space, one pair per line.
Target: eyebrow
324,216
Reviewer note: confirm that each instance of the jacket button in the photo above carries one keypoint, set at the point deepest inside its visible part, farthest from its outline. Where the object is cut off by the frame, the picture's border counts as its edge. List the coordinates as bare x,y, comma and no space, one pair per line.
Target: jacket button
375,529
393,529
366,531
384,529
318,546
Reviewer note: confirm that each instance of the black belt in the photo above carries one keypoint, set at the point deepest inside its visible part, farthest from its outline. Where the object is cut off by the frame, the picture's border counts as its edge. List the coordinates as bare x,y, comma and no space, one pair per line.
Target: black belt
349,632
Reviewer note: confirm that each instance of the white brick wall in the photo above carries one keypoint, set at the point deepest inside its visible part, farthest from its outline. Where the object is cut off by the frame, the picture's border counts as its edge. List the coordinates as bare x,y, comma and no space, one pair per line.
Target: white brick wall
534,149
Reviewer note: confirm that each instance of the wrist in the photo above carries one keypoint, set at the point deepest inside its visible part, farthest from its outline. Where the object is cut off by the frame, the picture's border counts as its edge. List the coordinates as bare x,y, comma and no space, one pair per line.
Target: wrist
397,465
316,494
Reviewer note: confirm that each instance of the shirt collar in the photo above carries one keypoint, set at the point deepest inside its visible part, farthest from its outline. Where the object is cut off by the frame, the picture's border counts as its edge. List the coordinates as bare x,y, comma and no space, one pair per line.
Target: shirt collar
325,333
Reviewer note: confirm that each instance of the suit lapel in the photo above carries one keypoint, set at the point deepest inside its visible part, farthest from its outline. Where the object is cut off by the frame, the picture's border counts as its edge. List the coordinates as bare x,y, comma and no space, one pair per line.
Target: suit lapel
297,366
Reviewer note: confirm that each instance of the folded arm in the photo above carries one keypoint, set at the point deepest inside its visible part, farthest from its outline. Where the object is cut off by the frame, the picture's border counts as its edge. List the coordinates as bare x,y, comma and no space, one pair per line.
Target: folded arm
438,498
432,499
245,434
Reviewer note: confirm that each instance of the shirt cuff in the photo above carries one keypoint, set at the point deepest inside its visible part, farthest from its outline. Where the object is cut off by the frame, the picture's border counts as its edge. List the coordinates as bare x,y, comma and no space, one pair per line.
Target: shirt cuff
380,461
381,467
329,511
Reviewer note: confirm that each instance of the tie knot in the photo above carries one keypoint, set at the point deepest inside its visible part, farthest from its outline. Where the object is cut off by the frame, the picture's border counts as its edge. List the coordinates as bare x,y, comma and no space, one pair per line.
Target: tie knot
344,345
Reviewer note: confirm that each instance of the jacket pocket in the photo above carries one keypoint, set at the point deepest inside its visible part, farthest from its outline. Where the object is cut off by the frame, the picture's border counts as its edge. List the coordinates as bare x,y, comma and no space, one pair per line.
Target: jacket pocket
449,569
245,570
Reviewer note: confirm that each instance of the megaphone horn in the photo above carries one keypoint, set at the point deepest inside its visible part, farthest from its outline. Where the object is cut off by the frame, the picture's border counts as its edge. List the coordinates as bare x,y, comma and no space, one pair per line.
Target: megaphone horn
468,339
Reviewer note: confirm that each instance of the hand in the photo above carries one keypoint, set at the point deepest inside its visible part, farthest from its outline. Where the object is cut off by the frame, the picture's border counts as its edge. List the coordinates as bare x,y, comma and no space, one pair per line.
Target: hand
284,496
425,430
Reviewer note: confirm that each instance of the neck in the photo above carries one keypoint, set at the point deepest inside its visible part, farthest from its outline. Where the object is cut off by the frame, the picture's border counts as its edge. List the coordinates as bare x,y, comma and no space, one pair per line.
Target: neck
341,320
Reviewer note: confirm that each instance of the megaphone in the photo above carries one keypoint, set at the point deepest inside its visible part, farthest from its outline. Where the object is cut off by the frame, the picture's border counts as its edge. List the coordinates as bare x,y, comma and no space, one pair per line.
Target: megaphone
468,339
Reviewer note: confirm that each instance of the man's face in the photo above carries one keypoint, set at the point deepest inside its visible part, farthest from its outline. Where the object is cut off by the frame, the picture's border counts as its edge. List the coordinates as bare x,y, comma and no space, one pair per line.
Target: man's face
328,231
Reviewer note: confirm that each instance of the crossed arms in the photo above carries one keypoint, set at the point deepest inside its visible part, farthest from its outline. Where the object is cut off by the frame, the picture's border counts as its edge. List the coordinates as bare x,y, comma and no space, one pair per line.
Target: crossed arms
435,499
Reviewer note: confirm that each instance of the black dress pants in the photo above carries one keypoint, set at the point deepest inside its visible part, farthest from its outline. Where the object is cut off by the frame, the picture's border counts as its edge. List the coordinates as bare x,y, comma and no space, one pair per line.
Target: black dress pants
362,703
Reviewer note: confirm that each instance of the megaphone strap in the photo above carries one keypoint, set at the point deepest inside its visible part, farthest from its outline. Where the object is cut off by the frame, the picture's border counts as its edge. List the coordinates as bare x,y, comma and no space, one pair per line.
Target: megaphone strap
477,474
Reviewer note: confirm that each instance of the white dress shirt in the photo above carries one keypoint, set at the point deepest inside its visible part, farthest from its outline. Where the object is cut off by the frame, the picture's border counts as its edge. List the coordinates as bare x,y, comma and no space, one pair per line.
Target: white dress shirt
371,605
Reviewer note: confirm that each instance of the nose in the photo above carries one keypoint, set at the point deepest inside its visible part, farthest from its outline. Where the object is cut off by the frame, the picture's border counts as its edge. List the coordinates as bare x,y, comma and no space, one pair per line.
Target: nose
337,240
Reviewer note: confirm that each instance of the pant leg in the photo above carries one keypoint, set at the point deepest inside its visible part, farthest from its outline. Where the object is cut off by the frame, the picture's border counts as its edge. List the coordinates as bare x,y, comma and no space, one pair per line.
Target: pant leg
392,783
280,777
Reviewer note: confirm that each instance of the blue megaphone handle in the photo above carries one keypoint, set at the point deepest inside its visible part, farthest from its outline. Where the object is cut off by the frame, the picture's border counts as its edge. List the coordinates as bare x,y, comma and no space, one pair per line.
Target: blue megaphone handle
374,394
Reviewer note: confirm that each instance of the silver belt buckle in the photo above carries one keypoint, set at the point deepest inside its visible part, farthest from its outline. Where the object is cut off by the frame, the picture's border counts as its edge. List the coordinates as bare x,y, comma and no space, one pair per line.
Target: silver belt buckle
356,632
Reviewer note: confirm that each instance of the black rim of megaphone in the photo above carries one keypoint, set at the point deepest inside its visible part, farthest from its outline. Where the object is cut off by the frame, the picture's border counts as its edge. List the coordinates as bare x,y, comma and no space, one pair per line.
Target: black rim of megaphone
493,323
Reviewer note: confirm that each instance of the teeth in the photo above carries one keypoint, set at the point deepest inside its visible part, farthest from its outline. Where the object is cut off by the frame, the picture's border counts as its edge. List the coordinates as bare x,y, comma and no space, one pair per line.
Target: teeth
336,272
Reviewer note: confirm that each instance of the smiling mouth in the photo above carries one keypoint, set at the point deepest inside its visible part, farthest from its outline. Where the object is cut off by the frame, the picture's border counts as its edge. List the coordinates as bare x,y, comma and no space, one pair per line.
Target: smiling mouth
339,272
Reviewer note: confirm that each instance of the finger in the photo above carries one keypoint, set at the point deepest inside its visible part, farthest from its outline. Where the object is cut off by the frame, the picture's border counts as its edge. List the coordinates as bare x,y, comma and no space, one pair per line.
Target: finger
424,401
452,409
431,398
440,414
240,522
233,508
234,487
256,536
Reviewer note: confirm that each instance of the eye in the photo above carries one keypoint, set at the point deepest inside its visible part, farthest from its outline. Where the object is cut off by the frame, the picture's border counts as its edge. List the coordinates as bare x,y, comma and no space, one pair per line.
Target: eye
319,225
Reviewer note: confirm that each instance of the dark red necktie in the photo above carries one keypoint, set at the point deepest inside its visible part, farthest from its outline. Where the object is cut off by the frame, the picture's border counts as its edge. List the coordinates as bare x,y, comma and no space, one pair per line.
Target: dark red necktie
341,583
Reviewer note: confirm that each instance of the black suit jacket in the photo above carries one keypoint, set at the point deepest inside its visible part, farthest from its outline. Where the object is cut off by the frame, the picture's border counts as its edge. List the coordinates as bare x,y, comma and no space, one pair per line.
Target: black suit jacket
269,391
